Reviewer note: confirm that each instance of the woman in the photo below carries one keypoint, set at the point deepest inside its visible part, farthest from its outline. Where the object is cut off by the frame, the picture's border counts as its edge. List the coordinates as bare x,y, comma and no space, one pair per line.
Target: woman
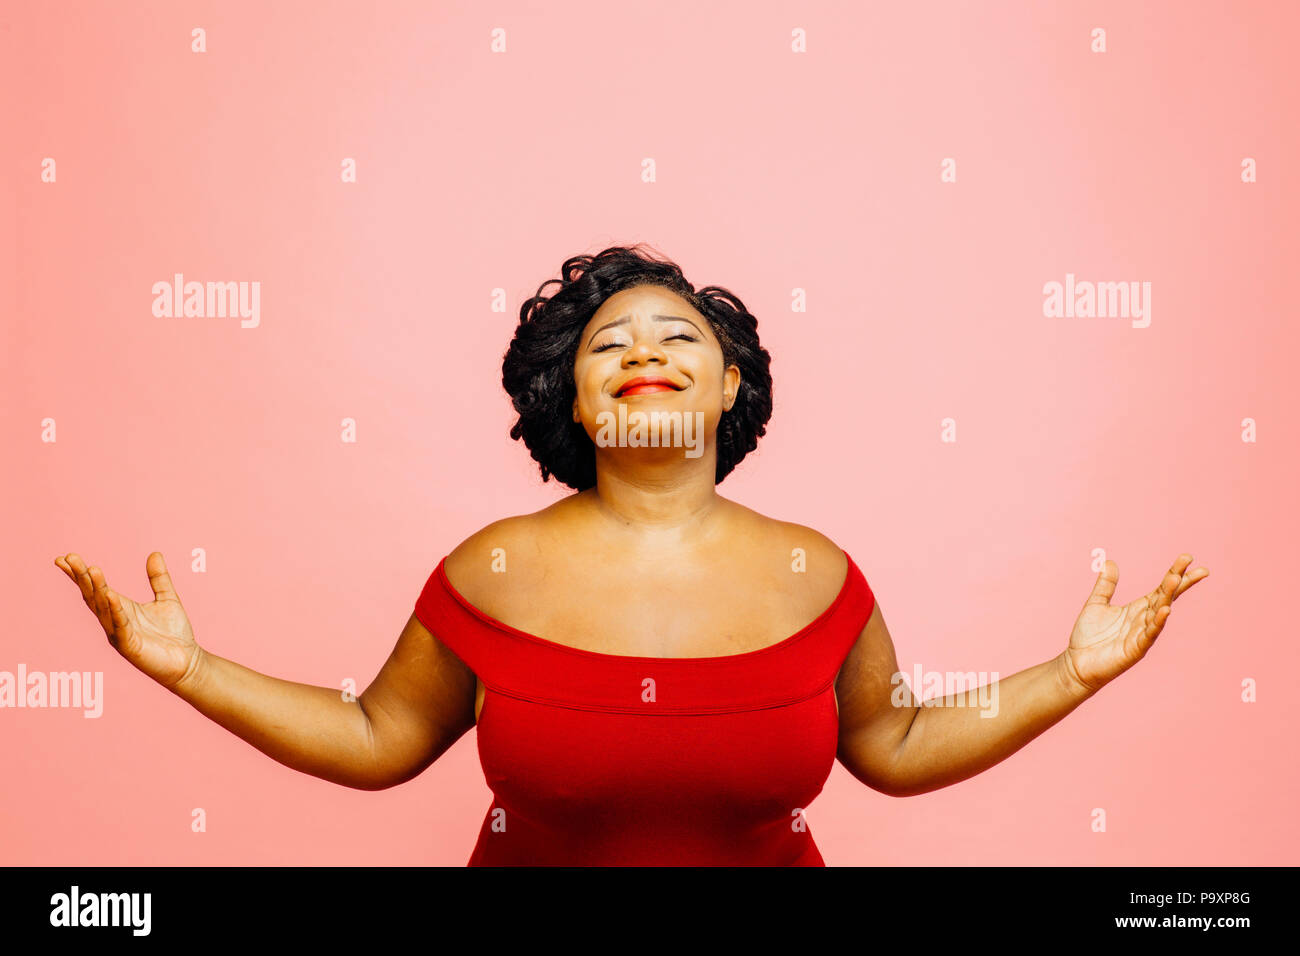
658,674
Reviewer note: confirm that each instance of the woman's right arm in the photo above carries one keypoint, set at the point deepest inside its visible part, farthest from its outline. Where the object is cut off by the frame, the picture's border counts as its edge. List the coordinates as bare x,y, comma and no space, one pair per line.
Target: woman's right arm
411,713
420,703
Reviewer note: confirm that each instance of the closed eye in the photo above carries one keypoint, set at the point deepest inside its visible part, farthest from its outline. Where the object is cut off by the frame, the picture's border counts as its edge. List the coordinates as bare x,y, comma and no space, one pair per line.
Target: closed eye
614,345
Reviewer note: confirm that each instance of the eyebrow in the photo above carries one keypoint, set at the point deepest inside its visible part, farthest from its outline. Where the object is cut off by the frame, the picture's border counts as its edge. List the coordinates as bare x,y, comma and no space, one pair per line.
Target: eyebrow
658,318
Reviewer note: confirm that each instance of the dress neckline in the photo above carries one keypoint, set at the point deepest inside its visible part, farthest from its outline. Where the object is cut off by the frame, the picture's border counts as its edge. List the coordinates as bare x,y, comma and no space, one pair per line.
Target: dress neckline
441,573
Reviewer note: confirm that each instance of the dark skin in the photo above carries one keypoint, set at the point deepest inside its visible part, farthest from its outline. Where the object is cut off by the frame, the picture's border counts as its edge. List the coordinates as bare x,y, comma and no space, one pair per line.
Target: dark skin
680,571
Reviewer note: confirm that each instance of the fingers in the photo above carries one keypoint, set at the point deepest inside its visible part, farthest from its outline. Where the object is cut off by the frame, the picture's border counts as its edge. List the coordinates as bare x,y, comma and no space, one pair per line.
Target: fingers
1154,623
1174,576
1163,595
1104,587
1176,581
117,614
67,569
159,579
101,600
104,603
1159,603
1200,574
76,569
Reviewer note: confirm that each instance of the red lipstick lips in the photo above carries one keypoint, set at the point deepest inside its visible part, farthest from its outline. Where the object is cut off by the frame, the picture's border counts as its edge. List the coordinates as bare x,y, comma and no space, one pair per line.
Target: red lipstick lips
646,383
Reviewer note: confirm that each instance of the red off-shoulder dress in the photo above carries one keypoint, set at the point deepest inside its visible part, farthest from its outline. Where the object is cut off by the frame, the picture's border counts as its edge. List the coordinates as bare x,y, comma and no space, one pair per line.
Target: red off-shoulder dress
611,760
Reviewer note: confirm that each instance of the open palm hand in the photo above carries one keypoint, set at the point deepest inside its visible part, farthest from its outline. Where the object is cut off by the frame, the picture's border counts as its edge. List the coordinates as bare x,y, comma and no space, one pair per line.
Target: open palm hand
1108,640
155,637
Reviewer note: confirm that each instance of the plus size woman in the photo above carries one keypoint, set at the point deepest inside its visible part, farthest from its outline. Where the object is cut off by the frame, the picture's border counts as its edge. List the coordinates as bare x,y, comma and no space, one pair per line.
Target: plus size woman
657,674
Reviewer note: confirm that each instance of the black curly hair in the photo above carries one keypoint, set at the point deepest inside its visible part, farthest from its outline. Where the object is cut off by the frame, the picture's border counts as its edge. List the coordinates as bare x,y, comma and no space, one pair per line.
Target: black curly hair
537,371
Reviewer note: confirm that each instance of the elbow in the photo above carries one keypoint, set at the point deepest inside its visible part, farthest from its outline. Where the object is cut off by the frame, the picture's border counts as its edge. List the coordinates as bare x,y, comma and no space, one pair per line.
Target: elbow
903,790
889,783
894,781
897,781
886,773
354,778
377,777
387,776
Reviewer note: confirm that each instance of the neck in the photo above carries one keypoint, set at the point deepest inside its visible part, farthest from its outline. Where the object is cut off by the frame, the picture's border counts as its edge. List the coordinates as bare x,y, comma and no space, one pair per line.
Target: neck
670,501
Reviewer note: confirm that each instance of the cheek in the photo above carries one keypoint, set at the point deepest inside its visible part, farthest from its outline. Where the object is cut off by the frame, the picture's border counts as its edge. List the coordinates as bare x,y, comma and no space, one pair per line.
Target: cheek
582,375
587,381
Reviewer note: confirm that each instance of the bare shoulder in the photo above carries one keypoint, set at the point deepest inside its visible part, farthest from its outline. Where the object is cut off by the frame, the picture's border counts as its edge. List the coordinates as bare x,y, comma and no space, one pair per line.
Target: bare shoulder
818,563
470,565
819,551
515,543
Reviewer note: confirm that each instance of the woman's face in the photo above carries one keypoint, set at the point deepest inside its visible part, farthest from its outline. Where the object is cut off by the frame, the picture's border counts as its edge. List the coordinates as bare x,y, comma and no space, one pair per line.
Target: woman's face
651,332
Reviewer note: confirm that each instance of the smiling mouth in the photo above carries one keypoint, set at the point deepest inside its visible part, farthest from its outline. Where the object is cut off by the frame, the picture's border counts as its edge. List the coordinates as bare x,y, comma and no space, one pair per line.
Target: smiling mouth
643,386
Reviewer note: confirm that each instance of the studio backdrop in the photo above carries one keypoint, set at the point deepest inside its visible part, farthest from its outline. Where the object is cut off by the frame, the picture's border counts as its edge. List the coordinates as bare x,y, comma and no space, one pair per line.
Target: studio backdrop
1026,273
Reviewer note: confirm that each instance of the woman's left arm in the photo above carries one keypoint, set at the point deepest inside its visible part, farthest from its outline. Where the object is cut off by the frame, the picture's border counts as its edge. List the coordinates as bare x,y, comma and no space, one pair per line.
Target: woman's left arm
949,740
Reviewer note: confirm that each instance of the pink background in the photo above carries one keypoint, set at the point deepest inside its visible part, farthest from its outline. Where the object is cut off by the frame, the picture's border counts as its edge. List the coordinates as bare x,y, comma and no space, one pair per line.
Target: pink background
776,171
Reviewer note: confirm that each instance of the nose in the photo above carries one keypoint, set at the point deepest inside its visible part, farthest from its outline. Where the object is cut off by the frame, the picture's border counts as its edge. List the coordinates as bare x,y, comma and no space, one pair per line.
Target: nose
644,351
